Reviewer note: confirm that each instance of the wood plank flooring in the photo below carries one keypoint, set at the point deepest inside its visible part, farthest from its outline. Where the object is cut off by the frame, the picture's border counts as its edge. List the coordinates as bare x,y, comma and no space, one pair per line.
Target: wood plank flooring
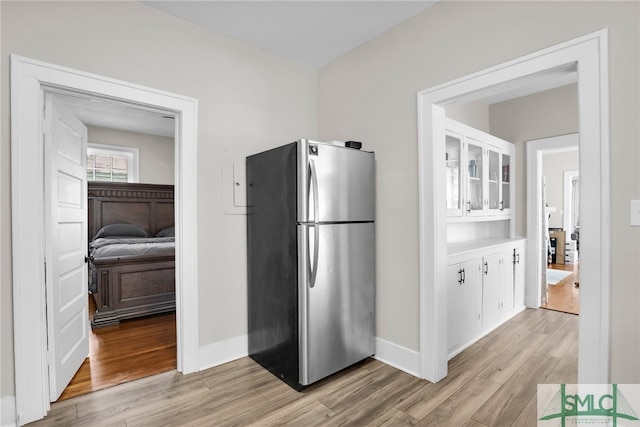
491,383
565,296
134,349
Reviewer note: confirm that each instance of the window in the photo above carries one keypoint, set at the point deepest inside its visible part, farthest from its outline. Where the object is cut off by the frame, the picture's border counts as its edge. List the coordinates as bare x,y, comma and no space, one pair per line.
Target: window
112,163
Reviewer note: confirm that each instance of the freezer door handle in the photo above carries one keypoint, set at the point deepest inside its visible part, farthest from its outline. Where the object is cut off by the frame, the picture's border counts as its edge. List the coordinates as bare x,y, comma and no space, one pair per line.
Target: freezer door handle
313,267
314,187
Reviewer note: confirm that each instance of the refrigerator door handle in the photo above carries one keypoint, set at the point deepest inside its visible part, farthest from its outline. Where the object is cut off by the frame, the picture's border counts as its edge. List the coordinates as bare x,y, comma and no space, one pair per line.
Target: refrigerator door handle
314,184
314,266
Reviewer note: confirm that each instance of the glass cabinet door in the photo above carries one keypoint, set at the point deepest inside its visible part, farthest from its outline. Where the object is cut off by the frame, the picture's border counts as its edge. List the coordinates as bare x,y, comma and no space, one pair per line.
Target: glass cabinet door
475,177
453,177
494,180
505,179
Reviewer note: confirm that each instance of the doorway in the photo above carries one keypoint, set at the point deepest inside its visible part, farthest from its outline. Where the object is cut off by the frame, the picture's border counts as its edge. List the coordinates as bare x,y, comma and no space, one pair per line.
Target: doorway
132,148
556,268
589,54
29,81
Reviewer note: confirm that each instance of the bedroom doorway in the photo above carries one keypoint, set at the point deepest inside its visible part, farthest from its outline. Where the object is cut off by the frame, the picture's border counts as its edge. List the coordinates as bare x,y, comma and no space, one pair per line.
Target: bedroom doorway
136,146
30,80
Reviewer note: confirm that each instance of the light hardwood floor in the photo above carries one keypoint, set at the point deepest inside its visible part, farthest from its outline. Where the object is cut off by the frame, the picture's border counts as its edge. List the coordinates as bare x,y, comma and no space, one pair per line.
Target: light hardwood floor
565,296
491,383
134,349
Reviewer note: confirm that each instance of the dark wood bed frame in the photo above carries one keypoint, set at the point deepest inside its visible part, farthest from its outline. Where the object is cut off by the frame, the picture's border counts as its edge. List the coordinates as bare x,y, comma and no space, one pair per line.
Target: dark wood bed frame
132,286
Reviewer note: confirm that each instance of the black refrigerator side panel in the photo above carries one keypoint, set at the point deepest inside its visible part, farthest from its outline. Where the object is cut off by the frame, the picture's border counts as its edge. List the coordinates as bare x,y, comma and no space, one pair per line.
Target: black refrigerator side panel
272,261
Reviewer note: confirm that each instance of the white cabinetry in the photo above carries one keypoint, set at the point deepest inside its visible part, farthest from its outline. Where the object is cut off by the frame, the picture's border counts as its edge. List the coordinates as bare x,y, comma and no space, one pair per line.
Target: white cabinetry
464,296
476,183
455,195
519,274
479,171
485,288
492,285
498,286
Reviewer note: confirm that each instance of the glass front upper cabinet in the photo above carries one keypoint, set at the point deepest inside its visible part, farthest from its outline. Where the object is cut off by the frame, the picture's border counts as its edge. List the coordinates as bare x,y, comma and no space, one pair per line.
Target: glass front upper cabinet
479,170
505,179
495,202
499,188
454,174
475,177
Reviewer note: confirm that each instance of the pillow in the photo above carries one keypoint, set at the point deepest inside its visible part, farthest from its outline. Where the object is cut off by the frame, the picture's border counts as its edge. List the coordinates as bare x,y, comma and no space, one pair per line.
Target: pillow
167,232
121,230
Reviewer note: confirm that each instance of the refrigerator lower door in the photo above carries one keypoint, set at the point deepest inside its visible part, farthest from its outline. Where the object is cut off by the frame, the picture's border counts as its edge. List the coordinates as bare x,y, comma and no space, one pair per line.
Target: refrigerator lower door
336,297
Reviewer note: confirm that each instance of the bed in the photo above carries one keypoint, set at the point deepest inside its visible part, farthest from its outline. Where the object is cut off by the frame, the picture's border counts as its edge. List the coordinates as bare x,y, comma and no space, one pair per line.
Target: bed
131,268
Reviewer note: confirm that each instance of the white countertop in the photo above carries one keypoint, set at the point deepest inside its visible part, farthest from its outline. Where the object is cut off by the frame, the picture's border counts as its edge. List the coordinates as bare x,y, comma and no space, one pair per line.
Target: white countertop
463,247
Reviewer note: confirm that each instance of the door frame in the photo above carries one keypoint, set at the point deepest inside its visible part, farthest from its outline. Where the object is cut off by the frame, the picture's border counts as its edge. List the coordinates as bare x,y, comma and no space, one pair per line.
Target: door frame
590,53
534,261
29,81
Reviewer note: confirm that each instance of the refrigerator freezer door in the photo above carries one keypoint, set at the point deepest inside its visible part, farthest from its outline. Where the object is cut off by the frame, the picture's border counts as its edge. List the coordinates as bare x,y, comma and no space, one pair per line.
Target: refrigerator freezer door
336,311
336,183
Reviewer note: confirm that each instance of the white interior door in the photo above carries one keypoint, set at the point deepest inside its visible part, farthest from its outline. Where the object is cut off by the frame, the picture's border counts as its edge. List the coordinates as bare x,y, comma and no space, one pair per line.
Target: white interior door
66,244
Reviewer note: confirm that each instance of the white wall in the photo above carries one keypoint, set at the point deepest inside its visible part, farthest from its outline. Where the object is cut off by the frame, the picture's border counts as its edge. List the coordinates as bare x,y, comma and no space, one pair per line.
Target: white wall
474,114
369,94
550,113
249,100
156,153
554,165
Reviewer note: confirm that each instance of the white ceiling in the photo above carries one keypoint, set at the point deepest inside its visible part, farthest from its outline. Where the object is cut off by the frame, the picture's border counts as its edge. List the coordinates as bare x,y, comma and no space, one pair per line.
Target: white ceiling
311,32
109,114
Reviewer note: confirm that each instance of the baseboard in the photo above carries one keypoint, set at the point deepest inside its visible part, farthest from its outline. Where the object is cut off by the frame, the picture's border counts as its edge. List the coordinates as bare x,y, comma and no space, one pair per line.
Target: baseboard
397,356
8,411
224,351
232,349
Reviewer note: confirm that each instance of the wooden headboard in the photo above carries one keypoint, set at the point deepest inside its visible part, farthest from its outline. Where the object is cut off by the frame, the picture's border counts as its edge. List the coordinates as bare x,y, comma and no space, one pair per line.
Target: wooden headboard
148,205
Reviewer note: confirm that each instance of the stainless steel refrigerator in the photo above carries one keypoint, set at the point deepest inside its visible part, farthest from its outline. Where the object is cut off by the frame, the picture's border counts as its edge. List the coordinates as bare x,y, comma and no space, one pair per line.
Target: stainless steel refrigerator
311,259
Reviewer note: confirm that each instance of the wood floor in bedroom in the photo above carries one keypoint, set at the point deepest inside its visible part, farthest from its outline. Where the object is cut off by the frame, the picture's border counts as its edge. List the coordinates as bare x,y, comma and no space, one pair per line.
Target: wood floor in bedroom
134,349
491,383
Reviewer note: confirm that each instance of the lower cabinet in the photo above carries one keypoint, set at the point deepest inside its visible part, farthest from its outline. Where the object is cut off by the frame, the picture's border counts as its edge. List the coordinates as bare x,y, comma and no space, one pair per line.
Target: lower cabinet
464,297
519,274
484,289
498,288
